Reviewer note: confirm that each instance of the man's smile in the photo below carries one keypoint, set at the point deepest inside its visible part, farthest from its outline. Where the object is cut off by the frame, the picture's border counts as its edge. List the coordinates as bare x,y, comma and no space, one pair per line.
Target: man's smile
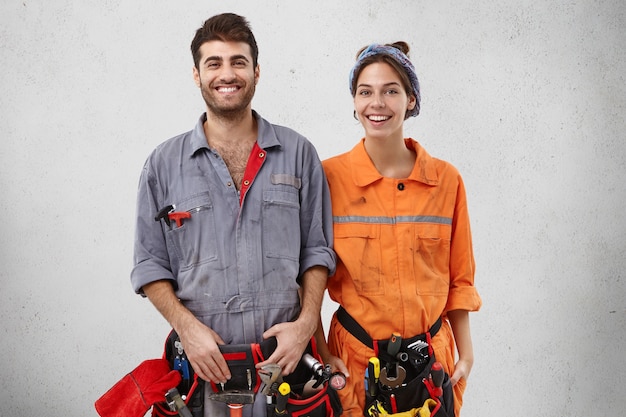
228,89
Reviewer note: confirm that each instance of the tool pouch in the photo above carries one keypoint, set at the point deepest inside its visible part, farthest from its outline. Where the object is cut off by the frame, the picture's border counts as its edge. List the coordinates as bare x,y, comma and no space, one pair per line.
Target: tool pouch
417,396
416,387
191,388
241,360
428,409
323,403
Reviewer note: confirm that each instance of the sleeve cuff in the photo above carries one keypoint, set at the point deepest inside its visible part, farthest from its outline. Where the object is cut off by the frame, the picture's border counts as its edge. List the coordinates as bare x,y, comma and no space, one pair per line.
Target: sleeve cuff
463,298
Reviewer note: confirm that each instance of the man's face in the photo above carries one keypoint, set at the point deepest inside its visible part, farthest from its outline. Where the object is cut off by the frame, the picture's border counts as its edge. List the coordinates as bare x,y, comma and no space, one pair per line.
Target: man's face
226,77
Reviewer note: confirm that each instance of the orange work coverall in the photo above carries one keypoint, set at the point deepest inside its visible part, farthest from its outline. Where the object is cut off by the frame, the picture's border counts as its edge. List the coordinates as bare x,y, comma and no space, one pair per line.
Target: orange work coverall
405,258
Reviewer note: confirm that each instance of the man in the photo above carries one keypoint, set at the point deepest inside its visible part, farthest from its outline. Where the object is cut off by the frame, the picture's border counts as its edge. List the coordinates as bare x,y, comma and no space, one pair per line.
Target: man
241,249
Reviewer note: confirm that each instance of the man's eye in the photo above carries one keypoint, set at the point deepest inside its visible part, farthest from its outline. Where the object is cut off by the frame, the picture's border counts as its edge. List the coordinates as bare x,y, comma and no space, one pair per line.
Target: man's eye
240,64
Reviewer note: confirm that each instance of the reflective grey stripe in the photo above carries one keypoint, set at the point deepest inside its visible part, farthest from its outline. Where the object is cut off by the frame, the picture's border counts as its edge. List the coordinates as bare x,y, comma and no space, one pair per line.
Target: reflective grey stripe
392,220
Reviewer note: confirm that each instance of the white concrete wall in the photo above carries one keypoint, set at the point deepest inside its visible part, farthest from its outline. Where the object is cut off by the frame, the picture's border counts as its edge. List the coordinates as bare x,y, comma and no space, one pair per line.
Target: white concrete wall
526,98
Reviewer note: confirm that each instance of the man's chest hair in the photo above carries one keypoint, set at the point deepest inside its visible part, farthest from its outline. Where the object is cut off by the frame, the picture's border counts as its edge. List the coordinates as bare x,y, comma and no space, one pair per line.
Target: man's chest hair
236,158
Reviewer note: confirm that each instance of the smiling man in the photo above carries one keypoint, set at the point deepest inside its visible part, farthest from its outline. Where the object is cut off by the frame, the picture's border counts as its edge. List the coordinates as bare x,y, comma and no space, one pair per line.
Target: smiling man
241,247
227,78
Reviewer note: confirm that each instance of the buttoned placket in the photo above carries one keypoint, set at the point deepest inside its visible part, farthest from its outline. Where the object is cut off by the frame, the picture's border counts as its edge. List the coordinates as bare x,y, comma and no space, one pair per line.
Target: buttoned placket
255,161
242,303
252,168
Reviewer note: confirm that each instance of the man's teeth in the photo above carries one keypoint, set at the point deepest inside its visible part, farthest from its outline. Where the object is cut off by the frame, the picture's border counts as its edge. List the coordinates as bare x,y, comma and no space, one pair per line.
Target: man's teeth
228,89
378,118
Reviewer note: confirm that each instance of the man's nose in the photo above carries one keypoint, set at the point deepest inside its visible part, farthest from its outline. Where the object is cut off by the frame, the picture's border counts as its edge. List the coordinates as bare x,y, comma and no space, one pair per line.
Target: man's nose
227,74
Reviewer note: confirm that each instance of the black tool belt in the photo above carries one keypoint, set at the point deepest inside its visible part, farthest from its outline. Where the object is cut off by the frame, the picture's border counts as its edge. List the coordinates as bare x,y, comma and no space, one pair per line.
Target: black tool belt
241,360
355,329
405,381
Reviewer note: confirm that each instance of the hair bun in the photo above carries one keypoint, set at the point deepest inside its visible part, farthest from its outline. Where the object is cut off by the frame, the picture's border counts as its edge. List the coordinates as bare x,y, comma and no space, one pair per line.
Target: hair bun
402,46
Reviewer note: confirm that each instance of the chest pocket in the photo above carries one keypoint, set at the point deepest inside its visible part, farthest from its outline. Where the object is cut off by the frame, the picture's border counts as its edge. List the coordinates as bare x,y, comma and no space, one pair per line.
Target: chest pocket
195,241
281,223
358,246
431,260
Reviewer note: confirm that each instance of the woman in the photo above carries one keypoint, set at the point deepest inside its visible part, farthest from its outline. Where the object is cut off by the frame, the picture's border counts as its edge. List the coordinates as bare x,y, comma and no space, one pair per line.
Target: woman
401,232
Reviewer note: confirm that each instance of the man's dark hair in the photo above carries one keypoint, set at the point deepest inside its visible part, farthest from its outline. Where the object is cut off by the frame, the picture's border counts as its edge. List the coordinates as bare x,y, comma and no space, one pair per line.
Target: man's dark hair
226,27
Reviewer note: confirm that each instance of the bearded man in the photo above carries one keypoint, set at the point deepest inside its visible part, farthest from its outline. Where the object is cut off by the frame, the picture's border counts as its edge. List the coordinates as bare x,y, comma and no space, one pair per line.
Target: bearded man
242,243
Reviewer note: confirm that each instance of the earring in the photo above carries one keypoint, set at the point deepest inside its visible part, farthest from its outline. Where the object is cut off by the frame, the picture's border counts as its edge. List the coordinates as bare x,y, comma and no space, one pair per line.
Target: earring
354,115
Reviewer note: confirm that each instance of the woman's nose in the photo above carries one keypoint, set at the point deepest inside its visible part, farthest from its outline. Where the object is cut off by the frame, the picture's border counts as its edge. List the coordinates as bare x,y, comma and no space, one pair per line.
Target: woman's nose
379,100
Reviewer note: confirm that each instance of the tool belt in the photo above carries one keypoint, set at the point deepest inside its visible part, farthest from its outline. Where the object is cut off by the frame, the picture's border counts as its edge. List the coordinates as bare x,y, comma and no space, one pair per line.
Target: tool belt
405,383
245,380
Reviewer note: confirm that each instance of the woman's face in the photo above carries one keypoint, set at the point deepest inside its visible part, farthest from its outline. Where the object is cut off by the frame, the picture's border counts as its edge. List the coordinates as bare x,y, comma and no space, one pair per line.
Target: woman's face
381,102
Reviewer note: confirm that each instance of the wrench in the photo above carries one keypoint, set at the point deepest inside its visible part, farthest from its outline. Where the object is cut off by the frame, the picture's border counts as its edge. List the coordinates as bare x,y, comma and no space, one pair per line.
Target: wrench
392,382
271,376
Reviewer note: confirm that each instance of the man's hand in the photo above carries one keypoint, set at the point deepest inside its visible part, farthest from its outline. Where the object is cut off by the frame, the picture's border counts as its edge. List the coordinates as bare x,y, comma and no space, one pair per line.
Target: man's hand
292,338
199,341
201,346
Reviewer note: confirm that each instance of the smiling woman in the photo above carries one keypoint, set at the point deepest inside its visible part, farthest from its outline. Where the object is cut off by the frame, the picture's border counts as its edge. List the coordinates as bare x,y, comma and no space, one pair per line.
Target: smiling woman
392,201
381,103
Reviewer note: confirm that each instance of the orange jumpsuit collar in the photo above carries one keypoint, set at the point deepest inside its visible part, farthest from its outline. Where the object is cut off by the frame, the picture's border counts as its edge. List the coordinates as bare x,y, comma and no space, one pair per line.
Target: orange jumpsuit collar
365,173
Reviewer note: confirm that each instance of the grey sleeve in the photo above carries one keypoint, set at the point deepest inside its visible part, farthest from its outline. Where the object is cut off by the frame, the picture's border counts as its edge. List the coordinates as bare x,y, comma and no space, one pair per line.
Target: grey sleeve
316,221
151,259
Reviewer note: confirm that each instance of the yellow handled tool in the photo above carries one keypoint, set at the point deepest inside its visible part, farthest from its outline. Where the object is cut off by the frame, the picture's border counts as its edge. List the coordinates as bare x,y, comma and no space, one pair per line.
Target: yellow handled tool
373,372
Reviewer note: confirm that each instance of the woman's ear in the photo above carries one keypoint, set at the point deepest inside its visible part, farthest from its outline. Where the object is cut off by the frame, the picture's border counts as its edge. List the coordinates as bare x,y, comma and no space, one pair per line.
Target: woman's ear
412,102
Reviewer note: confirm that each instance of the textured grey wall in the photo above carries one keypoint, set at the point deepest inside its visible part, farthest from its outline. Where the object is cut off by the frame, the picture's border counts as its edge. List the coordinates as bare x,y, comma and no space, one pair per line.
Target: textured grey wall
526,98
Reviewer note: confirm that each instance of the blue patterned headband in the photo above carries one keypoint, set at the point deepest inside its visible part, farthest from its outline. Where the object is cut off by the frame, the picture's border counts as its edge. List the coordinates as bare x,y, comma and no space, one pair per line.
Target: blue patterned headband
401,58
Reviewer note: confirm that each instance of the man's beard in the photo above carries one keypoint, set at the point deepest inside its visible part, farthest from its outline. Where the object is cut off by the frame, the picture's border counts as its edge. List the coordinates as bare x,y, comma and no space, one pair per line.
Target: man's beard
230,111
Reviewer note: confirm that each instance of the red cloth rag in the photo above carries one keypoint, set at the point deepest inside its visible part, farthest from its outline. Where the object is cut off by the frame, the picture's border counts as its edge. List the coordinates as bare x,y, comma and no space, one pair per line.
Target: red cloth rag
134,394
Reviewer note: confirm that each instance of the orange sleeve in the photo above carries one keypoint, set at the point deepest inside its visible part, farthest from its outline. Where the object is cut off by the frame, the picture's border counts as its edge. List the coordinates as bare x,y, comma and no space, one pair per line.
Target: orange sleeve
462,294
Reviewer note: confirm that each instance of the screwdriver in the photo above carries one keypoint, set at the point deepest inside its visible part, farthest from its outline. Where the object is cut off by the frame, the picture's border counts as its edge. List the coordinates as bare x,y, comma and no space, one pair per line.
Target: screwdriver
394,404
281,399
436,376
395,342
373,371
